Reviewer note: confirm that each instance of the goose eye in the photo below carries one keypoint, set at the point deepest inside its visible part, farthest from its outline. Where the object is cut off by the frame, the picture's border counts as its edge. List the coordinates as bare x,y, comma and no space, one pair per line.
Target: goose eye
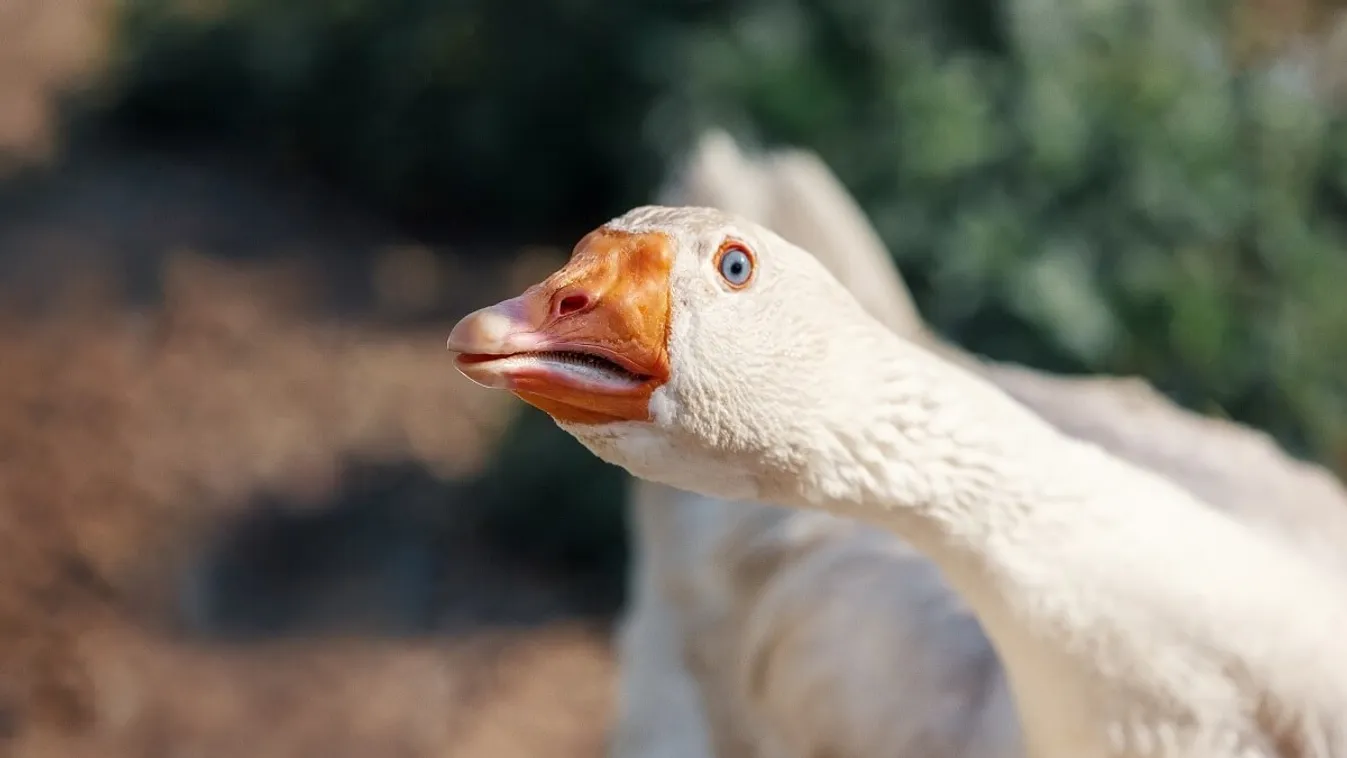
736,266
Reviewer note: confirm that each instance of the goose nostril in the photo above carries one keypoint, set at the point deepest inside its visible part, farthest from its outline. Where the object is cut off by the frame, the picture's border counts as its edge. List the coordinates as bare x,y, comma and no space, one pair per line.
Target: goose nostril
571,304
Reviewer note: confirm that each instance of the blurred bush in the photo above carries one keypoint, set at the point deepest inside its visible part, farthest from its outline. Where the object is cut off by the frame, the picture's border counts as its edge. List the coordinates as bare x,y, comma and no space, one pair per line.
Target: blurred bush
550,494
1083,186
494,114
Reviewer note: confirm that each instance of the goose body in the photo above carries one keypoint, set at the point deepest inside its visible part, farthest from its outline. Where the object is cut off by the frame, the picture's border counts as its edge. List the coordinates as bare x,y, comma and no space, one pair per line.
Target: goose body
1132,619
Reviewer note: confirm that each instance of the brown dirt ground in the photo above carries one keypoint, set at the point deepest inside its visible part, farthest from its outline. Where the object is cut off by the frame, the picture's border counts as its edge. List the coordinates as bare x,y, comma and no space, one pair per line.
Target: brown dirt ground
133,428
128,432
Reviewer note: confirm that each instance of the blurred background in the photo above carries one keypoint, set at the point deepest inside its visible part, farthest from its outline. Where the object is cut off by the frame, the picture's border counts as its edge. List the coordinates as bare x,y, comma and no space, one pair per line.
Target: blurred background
248,507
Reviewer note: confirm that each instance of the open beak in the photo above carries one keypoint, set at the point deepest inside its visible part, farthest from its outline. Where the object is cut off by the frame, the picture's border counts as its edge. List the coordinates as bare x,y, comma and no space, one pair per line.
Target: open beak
589,344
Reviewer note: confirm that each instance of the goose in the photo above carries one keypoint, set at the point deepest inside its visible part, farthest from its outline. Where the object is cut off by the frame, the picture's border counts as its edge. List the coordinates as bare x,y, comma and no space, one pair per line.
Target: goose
697,349
760,631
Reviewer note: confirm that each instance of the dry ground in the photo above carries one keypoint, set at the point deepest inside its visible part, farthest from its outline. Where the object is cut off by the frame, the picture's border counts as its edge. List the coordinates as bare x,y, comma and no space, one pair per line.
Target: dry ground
132,429
155,380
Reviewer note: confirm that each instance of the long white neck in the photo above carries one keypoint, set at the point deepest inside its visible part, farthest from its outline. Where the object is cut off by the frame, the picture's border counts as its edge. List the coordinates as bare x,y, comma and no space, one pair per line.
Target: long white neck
1114,598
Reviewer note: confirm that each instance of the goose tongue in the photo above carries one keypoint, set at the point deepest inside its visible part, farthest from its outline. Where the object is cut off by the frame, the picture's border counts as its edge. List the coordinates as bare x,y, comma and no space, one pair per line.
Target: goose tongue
587,345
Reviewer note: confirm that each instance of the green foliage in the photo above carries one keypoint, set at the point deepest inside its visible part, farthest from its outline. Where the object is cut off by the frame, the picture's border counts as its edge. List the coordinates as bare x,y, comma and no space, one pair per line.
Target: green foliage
1077,184
481,113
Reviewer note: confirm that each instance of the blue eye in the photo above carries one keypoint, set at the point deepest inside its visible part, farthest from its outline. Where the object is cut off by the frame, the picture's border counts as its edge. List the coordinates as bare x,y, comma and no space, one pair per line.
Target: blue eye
736,266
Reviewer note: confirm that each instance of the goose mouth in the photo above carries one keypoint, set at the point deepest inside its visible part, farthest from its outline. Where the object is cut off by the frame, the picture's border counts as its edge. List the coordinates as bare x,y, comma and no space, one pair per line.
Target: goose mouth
586,370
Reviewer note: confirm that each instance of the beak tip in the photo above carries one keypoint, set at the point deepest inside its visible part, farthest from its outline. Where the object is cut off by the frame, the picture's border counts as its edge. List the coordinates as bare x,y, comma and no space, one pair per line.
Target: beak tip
488,331
457,341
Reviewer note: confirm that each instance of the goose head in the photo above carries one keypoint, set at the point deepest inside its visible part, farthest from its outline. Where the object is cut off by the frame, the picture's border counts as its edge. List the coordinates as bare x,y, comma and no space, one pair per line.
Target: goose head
690,346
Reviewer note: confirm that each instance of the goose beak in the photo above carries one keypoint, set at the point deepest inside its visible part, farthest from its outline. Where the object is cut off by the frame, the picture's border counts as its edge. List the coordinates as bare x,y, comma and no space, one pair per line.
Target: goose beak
589,344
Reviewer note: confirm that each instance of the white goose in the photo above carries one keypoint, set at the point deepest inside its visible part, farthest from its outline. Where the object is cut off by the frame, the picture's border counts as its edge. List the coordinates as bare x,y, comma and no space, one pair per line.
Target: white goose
756,631
697,349
765,632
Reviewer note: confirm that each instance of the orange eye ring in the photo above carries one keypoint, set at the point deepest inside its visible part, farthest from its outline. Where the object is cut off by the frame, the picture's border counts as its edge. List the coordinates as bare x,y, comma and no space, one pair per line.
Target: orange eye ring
736,264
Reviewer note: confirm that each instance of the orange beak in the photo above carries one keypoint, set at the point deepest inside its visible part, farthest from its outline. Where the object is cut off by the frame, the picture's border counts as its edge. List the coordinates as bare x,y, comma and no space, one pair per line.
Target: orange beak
589,344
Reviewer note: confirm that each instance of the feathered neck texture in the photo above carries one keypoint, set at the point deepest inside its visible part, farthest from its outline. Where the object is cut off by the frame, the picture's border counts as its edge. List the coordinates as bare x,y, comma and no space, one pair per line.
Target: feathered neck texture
1113,596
